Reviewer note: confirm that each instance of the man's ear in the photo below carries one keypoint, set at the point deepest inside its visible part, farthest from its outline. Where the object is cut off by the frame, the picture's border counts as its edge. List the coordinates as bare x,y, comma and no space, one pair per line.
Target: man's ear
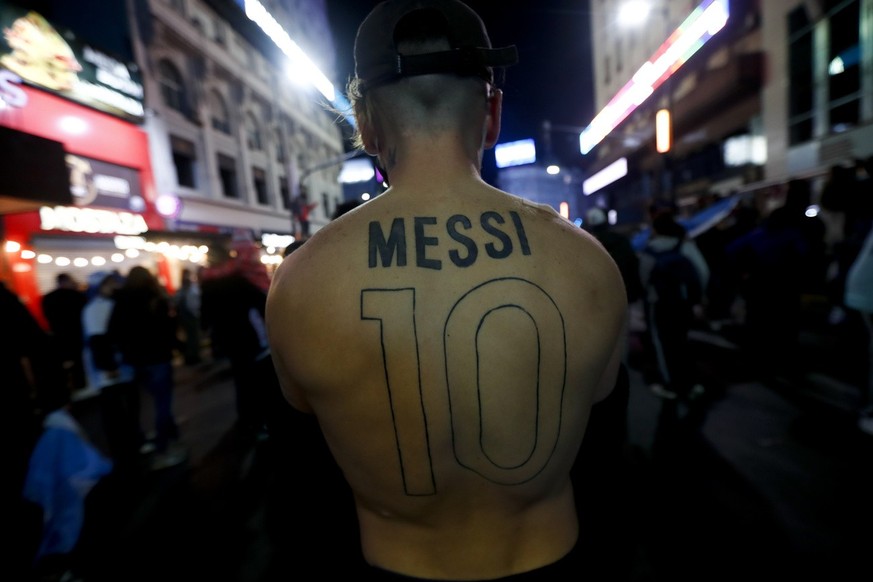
492,121
369,139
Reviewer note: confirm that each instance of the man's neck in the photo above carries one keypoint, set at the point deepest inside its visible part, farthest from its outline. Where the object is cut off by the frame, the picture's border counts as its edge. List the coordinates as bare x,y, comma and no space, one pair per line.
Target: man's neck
432,160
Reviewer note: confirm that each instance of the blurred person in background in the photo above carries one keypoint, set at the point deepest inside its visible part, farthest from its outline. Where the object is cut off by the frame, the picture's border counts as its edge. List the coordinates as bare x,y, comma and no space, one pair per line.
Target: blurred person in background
619,248
859,297
142,327
776,264
186,302
119,395
302,209
797,211
31,367
62,308
293,247
847,200
62,471
233,301
721,292
674,274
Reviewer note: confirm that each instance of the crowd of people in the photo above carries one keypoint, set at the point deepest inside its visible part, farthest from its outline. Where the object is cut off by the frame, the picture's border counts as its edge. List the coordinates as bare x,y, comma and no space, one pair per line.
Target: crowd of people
397,382
120,337
772,268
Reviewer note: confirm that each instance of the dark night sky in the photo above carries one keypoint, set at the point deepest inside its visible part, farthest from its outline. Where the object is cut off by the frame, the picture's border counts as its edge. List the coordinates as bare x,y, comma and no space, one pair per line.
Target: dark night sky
552,80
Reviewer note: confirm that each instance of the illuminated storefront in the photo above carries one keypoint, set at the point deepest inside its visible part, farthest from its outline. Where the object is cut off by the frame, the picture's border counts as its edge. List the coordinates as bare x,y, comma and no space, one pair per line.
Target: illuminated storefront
69,116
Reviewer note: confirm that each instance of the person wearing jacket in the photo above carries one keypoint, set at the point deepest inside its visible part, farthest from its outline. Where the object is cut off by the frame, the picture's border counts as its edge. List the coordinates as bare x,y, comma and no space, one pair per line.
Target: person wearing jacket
114,380
142,327
668,370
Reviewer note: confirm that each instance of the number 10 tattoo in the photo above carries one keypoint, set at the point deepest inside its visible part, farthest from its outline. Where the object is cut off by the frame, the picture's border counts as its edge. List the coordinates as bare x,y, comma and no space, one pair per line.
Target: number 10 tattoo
463,347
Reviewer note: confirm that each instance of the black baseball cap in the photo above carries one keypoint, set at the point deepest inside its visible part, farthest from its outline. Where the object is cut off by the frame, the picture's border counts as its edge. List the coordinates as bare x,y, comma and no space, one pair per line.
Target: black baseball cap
377,60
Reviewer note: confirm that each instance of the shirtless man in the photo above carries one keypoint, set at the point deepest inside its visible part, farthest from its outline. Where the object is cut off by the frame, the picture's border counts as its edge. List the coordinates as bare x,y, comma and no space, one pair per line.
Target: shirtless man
450,338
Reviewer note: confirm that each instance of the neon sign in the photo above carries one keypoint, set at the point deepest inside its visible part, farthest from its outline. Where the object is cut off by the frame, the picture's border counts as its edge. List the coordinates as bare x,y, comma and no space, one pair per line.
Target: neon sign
11,93
515,153
700,26
54,60
614,171
91,220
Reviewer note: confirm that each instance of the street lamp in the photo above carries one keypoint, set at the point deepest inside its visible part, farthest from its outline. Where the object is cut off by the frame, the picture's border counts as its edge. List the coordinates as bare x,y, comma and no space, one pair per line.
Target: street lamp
634,12
304,174
663,131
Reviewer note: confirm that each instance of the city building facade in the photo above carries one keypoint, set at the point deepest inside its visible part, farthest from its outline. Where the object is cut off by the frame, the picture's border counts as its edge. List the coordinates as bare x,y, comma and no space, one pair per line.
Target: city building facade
781,89
705,63
142,132
235,135
77,175
817,107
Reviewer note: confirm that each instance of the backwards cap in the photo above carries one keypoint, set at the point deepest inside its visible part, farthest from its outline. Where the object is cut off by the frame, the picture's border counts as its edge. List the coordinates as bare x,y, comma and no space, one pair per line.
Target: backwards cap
377,60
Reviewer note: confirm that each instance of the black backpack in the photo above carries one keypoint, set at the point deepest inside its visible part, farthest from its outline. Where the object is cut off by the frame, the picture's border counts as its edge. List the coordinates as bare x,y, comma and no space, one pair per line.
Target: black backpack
674,278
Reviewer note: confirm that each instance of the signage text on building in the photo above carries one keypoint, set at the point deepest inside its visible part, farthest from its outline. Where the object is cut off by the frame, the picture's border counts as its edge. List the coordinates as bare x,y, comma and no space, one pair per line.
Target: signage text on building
44,57
11,93
91,220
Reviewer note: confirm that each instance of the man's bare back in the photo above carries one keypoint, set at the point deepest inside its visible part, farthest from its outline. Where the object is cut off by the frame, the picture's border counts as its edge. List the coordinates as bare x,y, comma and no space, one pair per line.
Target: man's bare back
451,347
449,337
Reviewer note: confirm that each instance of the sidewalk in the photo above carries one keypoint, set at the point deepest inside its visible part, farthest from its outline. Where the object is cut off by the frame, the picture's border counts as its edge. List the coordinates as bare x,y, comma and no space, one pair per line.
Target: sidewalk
778,471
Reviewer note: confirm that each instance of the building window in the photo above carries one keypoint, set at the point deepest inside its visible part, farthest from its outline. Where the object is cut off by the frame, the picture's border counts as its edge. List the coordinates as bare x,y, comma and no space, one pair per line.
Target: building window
844,67
618,54
253,133
218,113
227,175
285,193
172,86
281,155
801,76
259,179
220,35
185,161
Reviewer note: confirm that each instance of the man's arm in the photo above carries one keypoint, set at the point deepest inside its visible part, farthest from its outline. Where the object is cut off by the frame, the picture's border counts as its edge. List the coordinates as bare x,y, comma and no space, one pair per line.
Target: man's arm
607,381
281,320
293,393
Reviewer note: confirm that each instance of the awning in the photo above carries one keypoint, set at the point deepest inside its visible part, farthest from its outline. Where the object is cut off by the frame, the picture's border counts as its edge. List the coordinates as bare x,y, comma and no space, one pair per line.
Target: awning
34,172
188,237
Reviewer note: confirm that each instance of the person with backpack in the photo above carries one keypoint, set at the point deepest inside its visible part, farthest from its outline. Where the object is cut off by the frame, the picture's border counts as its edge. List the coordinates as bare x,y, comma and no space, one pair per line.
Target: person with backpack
674,274
771,265
619,248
